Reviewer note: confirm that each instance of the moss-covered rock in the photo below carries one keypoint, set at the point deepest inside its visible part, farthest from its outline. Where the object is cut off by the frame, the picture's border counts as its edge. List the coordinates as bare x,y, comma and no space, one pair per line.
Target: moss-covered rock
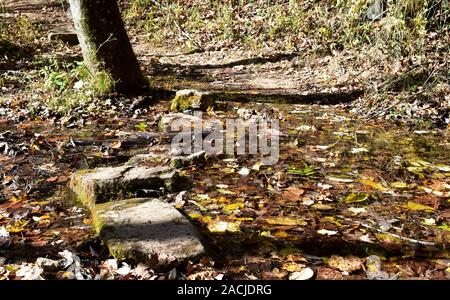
146,228
191,99
115,183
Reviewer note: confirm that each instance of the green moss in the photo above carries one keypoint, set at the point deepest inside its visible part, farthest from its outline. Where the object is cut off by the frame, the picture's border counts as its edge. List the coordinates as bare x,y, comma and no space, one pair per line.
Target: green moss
123,253
185,102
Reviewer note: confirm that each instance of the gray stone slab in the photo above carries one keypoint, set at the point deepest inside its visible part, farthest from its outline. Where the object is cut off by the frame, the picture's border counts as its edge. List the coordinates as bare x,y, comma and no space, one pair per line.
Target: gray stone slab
146,228
115,183
68,37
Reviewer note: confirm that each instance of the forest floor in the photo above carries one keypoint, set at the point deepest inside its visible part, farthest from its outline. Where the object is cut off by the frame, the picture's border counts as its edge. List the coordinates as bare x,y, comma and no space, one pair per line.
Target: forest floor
351,198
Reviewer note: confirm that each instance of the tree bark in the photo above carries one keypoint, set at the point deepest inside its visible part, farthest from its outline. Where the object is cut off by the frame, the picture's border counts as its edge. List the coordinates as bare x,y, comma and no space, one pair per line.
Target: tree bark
105,44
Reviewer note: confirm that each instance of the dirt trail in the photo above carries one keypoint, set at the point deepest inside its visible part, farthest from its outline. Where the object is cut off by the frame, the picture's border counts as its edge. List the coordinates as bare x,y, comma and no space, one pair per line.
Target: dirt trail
227,70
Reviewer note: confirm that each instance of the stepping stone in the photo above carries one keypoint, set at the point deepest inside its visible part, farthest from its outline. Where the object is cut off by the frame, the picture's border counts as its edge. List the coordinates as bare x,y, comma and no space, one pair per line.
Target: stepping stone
116,183
67,37
146,228
195,159
191,99
182,120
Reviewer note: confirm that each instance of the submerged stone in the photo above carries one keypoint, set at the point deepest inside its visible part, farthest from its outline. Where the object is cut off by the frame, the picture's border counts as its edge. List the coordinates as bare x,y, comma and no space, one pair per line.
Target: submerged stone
146,228
197,159
115,183
174,122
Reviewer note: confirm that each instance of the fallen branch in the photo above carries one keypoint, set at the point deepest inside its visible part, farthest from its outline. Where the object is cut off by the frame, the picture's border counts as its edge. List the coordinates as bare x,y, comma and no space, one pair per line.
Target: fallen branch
410,240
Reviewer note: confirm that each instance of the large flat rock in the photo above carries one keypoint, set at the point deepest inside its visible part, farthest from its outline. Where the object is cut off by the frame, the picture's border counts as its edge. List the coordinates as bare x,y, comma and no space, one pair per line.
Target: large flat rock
115,183
146,228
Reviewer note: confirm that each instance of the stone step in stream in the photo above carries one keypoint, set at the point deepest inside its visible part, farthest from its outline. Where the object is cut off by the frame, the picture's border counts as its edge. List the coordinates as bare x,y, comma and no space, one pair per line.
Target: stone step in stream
138,228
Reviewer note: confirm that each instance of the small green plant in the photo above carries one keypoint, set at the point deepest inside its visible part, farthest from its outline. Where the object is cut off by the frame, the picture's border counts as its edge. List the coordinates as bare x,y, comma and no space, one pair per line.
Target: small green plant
71,84
307,171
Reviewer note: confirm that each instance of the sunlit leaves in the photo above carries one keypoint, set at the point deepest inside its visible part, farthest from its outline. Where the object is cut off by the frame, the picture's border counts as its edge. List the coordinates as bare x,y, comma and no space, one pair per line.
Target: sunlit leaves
228,209
287,221
420,207
18,226
219,226
373,184
307,171
357,197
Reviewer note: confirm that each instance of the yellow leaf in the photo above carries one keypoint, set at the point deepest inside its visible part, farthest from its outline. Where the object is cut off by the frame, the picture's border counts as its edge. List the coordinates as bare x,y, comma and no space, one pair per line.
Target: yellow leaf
281,234
399,185
194,215
265,233
417,206
244,219
321,206
360,197
232,207
287,221
226,192
206,219
19,226
332,220
223,226
292,267
373,184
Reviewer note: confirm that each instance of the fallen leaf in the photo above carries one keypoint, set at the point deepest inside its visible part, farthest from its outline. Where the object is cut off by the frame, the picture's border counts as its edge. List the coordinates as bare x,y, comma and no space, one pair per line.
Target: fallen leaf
321,206
340,179
326,232
292,194
18,226
305,274
286,221
244,171
218,226
345,264
226,192
373,184
354,198
293,267
419,207
399,185
357,210
228,209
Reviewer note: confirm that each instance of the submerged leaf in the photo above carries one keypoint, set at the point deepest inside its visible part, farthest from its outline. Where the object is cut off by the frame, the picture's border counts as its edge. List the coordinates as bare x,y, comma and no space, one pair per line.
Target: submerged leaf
305,274
345,264
287,221
326,232
420,207
340,179
226,192
321,206
228,209
360,197
399,185
373,184
201,207
218,226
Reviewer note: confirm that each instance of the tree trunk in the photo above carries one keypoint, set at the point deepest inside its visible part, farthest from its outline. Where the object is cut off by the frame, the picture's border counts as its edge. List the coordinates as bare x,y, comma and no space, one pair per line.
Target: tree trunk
105,44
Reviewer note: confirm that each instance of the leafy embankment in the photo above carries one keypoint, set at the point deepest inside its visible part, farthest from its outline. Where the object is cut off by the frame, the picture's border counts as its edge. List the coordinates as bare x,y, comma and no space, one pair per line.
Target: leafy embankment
401,58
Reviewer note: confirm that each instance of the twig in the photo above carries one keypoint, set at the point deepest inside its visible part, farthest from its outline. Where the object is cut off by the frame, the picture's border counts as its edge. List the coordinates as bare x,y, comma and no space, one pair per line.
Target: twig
413,241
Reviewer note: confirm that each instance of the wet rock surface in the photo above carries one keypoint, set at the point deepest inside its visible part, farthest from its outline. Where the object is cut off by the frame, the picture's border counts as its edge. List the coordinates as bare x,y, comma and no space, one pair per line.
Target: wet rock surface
146,228
116,183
